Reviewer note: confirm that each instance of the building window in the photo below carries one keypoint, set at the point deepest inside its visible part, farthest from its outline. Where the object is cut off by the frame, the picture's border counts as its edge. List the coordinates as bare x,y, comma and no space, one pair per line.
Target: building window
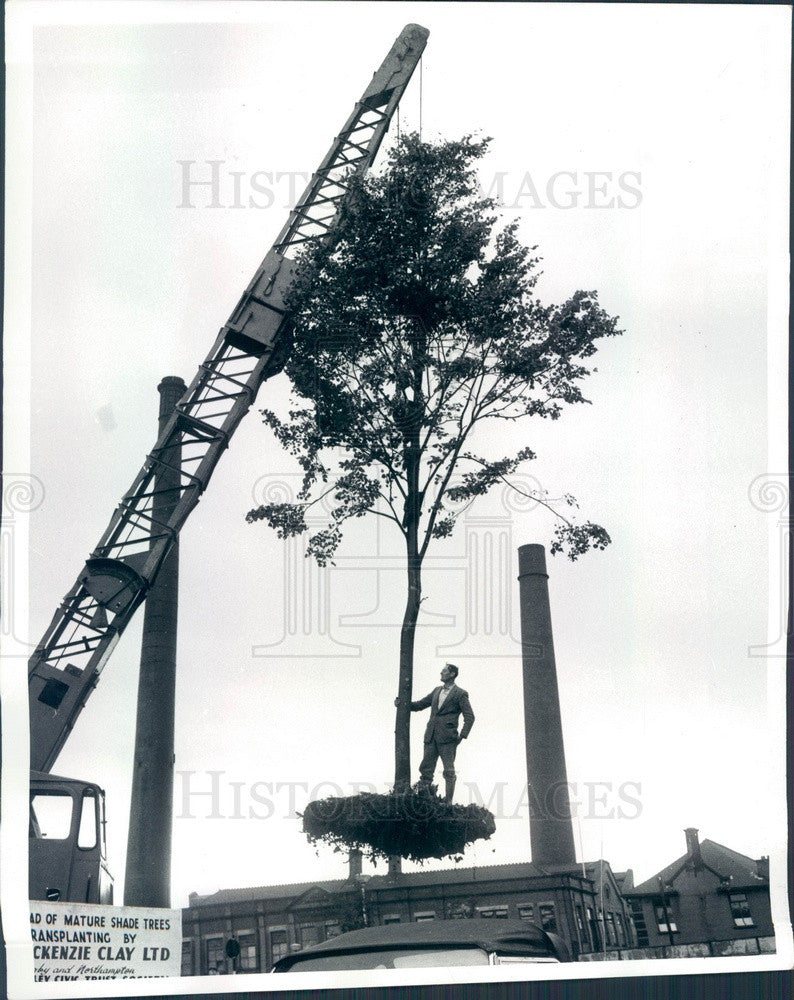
187,957
526,911
594,933
494,912
548,917
639,923
423,916
664,916
332,929
740,910
247,960
581,926
622,939
278,945
216,954
391,918
612,937
310,934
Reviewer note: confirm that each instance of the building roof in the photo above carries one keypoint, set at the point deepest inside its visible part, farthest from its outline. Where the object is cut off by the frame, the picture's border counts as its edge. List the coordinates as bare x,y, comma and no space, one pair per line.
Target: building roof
594,872
737,869
592,869
446,876
288,889
625,880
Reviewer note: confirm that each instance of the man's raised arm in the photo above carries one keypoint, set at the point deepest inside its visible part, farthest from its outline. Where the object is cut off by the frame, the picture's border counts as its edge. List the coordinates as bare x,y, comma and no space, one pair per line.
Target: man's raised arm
417,706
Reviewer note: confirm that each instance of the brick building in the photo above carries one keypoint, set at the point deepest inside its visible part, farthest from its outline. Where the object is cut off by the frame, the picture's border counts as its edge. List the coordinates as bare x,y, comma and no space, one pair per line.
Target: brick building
584,907
711,896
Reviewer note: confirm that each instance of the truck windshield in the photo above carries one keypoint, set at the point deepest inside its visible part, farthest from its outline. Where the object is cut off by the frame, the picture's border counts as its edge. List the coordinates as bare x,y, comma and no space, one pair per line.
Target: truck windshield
515,959
392,958
51,815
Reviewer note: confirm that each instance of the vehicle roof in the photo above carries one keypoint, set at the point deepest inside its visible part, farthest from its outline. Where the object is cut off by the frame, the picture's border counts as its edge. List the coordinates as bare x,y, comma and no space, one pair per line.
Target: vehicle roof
44,777
508,937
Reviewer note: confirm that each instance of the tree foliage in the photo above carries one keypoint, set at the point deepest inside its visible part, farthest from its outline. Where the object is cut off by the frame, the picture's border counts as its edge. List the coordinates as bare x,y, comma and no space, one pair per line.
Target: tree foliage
414,325
416,328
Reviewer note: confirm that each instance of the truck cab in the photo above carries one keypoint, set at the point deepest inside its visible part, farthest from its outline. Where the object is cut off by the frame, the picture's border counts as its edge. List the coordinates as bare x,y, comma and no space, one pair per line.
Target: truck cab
66,838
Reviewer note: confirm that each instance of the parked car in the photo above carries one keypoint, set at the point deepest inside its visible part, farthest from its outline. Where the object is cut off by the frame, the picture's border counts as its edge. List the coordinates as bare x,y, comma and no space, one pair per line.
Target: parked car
431,944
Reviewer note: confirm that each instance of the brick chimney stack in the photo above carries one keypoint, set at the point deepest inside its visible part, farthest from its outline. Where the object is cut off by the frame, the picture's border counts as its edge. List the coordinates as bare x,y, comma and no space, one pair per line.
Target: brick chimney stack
693,848
550,832
395,865
148,873
355,859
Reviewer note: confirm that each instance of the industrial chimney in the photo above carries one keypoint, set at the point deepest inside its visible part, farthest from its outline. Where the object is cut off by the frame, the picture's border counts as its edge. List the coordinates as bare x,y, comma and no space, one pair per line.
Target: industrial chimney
550,825
355,858
147,880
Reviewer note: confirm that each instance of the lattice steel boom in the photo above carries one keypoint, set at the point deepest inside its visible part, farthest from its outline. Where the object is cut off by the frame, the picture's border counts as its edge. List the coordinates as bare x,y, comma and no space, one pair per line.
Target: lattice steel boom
250,348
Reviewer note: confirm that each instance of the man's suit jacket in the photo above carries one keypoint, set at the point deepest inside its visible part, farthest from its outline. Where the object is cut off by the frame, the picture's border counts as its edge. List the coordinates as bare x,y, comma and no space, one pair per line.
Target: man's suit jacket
443,724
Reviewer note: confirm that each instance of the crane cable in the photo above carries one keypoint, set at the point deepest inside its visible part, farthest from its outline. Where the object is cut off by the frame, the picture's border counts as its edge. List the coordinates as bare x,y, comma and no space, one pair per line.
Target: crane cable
421,92
421,65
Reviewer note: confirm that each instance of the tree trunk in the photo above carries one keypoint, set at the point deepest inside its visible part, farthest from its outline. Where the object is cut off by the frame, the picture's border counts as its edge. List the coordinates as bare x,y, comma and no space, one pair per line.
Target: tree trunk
402,731
412,457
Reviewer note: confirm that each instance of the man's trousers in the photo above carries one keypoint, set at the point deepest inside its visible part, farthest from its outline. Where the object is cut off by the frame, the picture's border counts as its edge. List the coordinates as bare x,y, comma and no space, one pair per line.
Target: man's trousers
433,750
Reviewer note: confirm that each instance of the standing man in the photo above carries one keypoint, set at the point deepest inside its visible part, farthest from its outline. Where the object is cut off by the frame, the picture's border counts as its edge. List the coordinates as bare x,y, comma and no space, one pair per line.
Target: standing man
446,704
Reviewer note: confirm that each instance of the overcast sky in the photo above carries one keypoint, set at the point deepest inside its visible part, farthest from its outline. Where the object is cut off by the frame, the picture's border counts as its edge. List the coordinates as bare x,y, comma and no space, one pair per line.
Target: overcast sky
682,111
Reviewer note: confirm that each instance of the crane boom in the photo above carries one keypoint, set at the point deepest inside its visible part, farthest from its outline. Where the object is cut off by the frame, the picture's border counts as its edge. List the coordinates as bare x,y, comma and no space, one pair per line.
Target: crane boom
251,347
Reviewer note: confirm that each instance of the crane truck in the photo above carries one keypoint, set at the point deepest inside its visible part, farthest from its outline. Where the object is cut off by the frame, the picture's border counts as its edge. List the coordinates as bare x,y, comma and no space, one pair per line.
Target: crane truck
251,347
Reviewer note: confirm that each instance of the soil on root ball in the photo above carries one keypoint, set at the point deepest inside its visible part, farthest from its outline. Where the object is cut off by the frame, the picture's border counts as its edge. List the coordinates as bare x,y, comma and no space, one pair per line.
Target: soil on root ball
416,825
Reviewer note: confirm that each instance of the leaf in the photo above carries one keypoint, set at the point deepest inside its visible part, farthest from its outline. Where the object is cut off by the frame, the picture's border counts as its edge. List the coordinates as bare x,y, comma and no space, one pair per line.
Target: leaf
576,539
479,482
287,519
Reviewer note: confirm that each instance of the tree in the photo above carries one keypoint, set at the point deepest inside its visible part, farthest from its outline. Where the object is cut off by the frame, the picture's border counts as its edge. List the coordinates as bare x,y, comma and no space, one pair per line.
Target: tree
414,326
